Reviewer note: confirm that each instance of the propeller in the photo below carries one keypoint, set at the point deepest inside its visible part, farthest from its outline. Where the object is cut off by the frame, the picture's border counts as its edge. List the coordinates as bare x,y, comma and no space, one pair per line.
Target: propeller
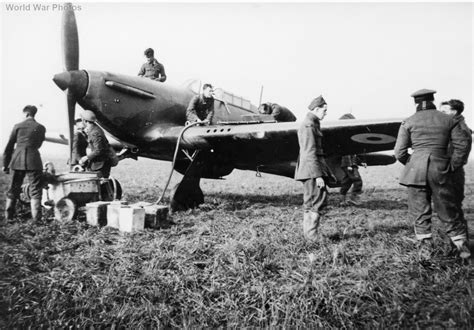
70,45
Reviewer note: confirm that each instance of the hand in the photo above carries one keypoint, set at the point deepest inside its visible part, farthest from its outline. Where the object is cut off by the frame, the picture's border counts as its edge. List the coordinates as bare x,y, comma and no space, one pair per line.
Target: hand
83,160
364,164
6,170
320,183
349,168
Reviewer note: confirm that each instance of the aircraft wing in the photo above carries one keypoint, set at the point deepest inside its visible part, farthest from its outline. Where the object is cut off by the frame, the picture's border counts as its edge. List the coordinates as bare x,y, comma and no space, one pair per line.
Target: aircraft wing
59,138
340,137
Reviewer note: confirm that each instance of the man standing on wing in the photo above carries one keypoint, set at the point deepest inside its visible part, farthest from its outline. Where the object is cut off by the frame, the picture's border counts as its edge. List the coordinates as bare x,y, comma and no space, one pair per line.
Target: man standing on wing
152,69
430,171
311,168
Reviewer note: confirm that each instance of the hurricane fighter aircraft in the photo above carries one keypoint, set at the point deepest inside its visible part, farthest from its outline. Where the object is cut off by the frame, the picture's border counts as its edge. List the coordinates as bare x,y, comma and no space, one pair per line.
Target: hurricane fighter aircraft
148,119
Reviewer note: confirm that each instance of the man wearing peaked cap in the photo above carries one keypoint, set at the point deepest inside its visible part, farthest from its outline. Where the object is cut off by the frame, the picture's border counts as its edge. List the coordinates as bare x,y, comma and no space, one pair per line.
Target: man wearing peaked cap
424,99
311,167
25,160
430,172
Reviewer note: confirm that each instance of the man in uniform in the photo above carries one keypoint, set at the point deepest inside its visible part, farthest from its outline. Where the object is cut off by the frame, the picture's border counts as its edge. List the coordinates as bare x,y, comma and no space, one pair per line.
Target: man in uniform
99,157
311,168
79,142
201,107
430,172
455,108
152,69
349,165
25,160
280,113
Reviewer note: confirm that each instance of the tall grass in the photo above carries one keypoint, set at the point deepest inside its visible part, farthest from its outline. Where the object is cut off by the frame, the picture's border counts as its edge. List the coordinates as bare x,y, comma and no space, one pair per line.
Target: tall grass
238,261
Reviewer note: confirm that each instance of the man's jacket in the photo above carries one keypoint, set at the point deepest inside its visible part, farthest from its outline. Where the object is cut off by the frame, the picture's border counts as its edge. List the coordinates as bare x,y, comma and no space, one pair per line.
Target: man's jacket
28,137
311,163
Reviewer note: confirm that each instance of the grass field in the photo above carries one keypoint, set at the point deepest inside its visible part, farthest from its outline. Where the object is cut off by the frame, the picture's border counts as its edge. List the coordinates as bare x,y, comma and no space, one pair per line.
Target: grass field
238,261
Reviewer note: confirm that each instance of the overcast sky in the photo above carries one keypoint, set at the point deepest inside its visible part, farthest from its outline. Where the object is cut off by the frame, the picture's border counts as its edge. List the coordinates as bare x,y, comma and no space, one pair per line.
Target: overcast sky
362,57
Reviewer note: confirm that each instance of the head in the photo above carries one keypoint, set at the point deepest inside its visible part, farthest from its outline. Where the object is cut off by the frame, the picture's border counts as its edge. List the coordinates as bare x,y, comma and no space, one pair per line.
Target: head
321,111
445,108
79,124
424,99
265,109
30,111
319,107
207,90
456,105
149,54
88,118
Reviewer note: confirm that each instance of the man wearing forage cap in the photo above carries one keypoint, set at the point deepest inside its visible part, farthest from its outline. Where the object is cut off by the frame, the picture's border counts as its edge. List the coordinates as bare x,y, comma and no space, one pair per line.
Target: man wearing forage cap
311,168
430,171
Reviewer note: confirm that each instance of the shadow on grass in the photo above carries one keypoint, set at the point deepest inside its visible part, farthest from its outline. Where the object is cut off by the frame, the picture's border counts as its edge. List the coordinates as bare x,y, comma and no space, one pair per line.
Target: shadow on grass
243,200
392,230
384,204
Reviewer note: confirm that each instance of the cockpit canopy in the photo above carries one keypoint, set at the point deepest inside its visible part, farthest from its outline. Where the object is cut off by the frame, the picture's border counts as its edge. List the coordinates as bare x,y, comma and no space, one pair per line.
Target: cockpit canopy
195,86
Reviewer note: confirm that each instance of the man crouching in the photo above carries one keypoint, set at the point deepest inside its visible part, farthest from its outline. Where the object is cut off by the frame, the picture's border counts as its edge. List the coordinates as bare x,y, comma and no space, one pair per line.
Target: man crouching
311,168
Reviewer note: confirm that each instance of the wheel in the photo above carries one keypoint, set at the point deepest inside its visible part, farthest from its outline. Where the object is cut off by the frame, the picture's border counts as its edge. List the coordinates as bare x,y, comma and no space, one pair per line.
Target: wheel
111,190
64,209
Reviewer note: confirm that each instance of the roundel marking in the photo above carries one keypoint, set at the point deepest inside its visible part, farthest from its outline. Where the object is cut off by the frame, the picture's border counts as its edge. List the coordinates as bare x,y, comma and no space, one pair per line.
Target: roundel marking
373,138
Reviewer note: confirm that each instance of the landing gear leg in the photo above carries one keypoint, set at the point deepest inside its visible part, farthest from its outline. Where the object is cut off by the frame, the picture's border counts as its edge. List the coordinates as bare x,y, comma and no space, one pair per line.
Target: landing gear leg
188,194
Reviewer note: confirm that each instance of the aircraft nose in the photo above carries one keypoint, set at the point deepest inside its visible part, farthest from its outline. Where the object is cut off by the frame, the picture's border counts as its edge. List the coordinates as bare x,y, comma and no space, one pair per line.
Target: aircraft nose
75,81
62,80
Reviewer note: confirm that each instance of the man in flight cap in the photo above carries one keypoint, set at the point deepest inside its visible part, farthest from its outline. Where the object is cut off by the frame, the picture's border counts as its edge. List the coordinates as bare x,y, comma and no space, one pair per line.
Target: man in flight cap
430,171
311,168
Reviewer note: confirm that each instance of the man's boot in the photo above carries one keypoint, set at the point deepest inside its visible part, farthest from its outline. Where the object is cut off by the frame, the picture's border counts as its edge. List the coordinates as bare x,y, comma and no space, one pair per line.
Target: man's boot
10,208
35,209
344,200
310,225
425,249
463,248
354,200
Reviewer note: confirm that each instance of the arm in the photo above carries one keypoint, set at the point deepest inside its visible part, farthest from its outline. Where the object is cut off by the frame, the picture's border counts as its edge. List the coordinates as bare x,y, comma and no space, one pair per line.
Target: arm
210,114
162,74
402,145
7,154
141,73
276,112
41,136
345,161
191,111
99,146
461,142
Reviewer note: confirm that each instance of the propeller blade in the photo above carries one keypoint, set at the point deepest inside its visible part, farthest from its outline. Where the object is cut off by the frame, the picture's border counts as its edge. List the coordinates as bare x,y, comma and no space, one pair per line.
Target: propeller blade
70,40
71,109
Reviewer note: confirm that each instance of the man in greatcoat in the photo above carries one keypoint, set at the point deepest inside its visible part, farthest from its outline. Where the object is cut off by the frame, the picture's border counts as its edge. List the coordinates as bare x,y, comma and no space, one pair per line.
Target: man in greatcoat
430,172
311,168
25,160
